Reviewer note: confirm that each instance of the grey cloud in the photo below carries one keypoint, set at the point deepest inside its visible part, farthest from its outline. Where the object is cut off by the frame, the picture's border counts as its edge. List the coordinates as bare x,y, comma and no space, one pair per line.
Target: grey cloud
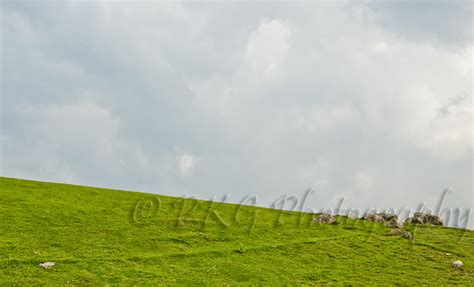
442,22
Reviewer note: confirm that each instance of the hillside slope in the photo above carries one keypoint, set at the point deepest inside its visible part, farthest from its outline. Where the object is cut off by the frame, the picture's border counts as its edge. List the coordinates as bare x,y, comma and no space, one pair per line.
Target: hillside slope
100,236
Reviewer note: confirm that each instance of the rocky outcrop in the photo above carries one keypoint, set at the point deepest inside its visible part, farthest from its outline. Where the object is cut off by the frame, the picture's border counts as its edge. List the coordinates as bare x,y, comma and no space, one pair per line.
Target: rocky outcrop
424,219
326,218
381,217
374,217
414,220
394,223
388,216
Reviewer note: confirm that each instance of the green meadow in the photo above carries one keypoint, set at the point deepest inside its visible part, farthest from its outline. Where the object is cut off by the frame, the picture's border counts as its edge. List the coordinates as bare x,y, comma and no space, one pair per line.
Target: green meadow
101,236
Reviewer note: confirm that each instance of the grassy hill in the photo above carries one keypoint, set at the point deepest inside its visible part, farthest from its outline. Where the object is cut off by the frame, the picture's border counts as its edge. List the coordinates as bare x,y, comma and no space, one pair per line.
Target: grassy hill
102,236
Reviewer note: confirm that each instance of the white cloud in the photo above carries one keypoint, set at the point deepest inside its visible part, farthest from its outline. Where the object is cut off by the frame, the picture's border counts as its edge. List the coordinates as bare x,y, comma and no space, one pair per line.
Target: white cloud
186,163
448,135
267,46
379,47
362,181
327,117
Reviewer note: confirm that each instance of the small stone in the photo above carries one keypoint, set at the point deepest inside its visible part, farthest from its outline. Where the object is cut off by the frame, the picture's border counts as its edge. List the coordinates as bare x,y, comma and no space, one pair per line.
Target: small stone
424,219
457,264
407,235
47,265
394,232
326,218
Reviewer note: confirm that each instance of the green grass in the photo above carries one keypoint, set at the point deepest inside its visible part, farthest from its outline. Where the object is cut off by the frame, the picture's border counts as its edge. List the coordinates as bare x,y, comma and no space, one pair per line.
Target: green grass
102,236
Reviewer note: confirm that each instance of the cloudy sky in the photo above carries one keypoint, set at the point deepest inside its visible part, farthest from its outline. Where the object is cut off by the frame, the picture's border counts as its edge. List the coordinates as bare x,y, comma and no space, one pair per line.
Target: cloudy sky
363,100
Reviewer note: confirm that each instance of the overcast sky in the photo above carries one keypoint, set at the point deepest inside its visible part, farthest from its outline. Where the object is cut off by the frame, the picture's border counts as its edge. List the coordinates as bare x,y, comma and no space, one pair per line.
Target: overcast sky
371,102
